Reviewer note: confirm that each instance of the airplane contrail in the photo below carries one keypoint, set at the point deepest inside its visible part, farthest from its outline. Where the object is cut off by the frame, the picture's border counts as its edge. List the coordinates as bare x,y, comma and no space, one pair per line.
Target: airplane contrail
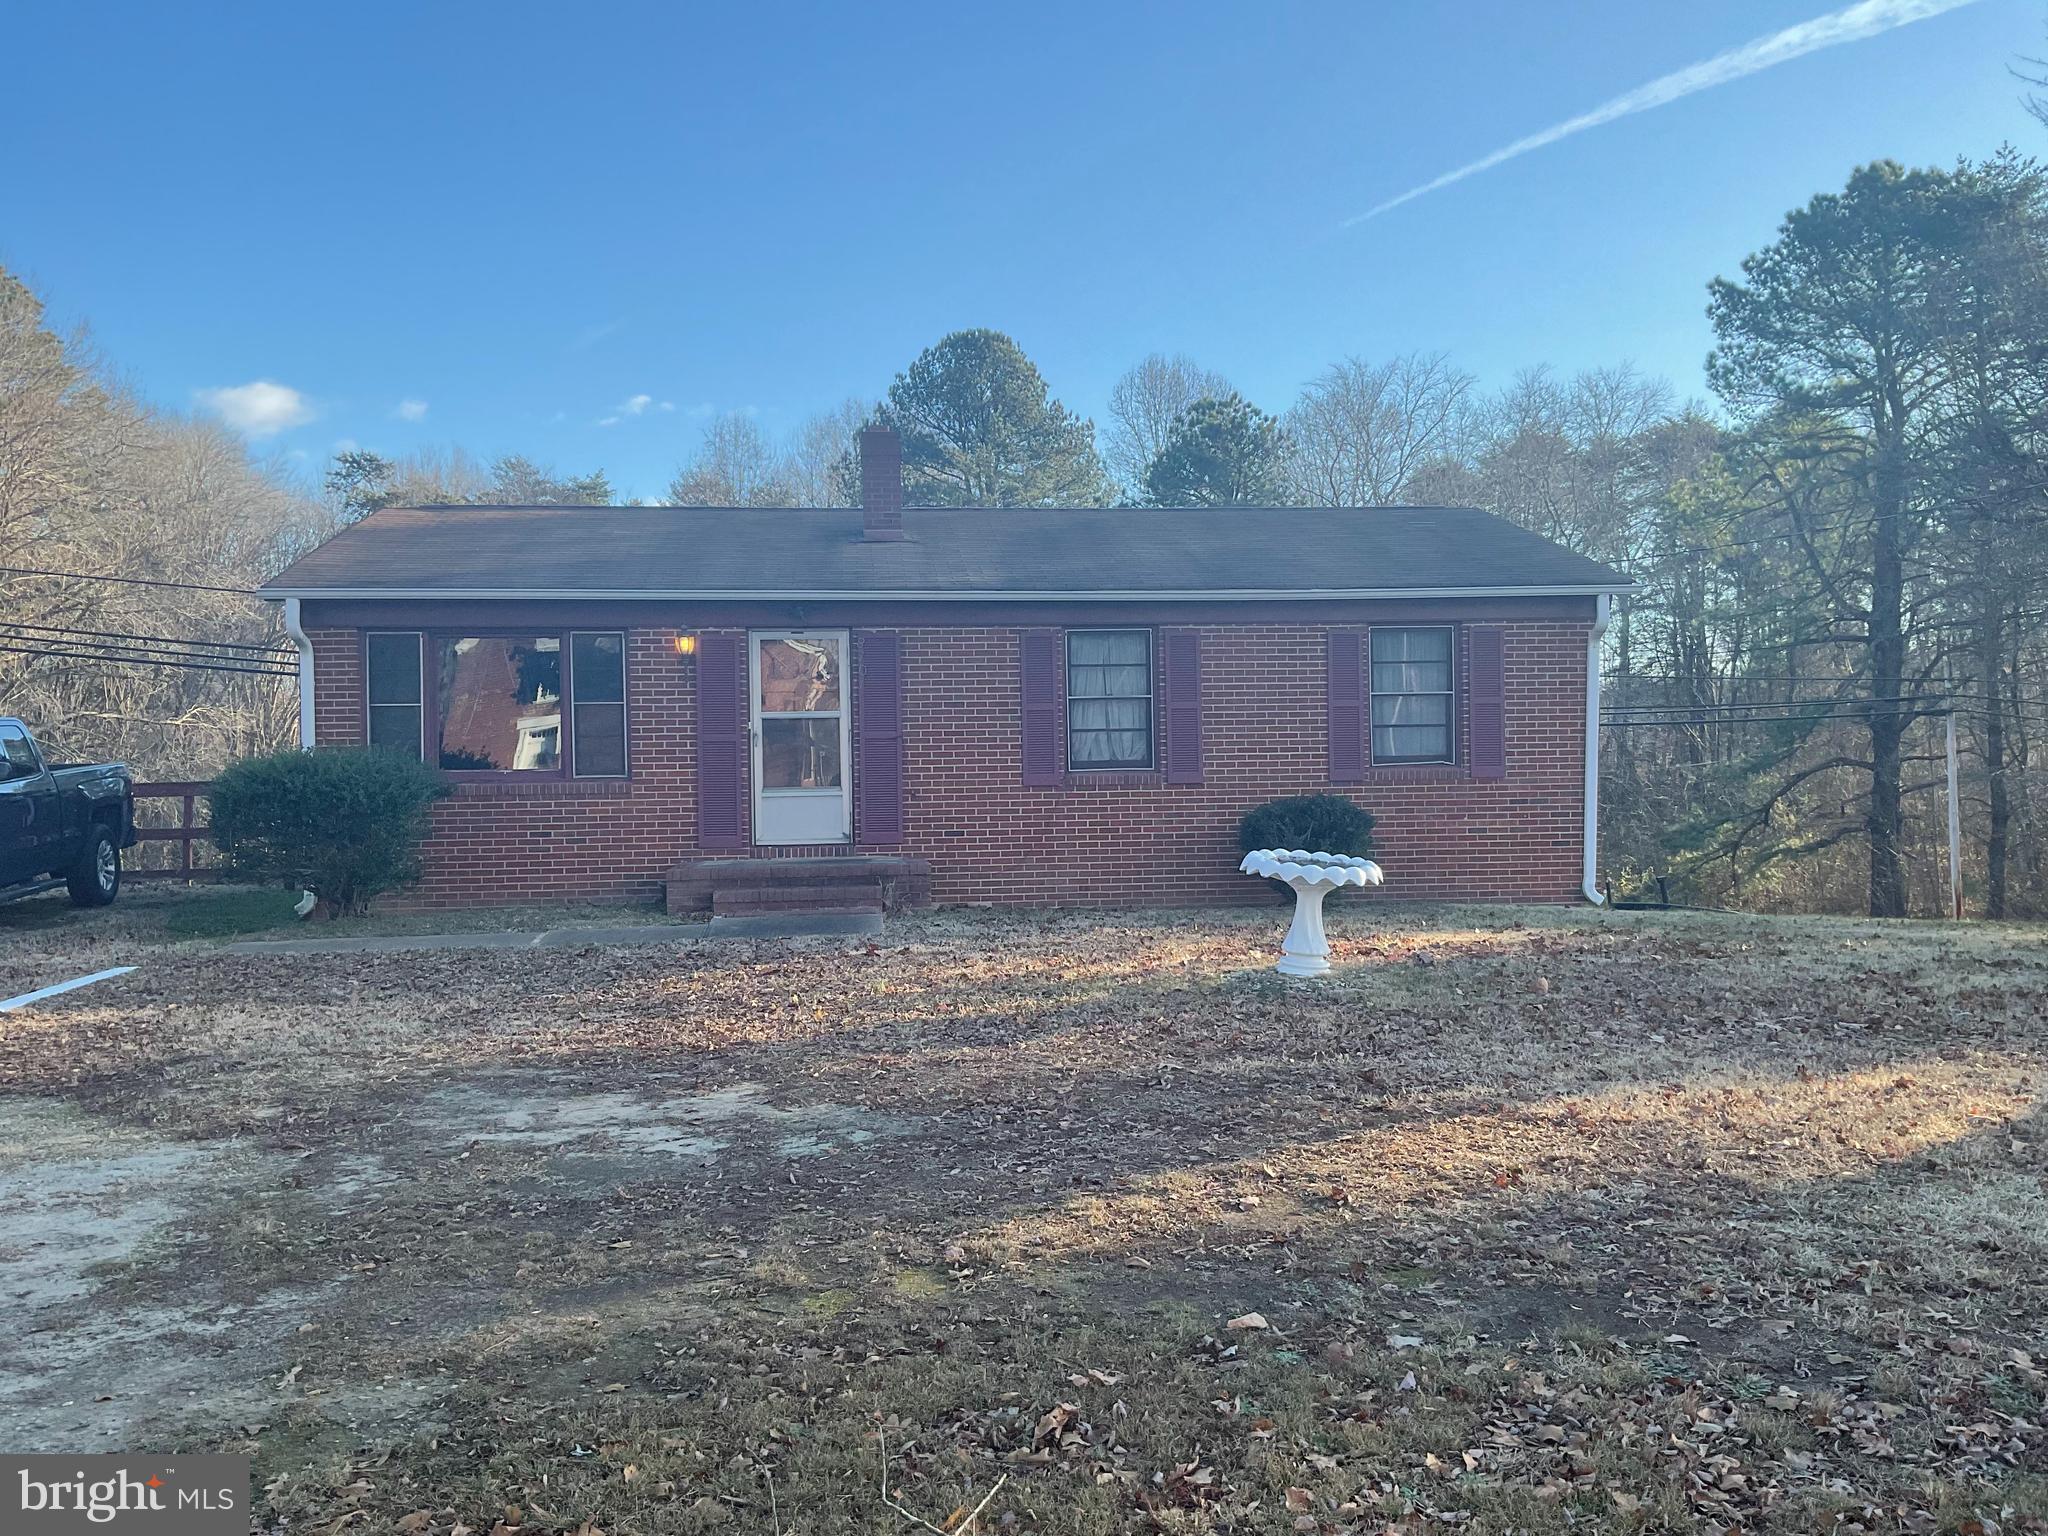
1850,24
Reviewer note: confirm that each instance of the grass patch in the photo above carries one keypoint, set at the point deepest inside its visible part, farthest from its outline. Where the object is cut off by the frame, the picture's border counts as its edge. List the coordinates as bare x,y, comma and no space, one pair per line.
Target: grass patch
227,914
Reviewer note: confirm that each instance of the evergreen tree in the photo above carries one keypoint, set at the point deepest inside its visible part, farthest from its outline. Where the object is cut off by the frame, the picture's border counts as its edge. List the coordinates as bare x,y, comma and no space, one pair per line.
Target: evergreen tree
1223,453
358,483
1835,336
980,430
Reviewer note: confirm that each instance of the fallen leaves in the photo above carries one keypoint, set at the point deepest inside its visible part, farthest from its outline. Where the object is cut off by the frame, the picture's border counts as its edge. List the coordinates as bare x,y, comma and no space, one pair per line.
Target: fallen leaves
1682,1254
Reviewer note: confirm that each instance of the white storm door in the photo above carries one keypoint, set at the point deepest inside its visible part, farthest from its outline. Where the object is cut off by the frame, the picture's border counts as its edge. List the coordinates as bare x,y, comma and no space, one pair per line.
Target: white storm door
800,737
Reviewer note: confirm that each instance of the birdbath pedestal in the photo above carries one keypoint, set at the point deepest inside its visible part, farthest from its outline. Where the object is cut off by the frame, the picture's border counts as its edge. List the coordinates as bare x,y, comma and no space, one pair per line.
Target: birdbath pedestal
1306,951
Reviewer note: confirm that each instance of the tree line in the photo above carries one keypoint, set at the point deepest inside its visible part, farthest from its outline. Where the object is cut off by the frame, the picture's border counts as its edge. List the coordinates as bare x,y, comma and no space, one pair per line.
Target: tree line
172,666
1834,557
981,428
1838,562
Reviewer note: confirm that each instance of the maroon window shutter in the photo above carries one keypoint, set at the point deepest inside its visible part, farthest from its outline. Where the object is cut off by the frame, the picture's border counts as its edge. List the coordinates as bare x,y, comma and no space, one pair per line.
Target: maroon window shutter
1345,675
1486,694
1183,649
880,768
1365,698
1039,679
721,741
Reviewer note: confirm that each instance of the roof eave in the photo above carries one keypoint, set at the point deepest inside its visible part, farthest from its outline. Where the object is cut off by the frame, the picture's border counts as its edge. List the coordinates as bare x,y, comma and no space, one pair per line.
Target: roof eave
1002,595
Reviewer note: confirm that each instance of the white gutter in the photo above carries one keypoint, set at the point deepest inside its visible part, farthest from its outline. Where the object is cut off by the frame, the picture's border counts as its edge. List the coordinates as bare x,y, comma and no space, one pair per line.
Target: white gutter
871,595
1590,870
293,628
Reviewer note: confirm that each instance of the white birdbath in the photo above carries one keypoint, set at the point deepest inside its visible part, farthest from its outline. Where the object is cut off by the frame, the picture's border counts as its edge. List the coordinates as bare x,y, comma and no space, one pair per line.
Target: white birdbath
1306,951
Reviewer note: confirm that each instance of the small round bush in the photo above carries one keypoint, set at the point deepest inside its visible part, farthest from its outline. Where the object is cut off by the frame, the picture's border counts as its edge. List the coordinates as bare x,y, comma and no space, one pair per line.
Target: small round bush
343,823
1313,823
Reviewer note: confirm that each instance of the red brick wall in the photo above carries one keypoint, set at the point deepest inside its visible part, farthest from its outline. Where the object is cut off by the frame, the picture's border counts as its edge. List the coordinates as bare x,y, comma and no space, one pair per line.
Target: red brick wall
1441,834
551,840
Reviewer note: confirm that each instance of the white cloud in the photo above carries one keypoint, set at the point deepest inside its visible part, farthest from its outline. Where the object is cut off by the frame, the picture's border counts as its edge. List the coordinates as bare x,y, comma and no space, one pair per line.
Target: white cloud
346,445
261,409
635,405
411,410
1851,24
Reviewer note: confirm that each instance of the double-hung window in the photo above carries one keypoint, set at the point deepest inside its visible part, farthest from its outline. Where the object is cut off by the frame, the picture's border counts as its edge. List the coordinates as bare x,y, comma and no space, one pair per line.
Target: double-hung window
1412,694
1109,699
394,664
597,712
546,705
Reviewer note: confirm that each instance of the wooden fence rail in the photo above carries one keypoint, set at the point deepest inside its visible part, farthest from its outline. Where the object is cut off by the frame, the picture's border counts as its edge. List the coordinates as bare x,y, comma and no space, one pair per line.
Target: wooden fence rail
189,830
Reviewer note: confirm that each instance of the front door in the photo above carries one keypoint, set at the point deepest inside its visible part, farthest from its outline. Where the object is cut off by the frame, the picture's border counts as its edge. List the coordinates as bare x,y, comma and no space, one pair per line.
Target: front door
800,736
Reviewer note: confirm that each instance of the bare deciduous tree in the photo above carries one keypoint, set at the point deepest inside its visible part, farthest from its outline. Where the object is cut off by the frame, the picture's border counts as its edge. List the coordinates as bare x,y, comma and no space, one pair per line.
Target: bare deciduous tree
91,481
1362,431
736,465
430,477
820,451
1144,406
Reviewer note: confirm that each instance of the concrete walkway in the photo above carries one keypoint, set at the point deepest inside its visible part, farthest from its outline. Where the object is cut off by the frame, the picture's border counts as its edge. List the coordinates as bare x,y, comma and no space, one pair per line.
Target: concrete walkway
791,925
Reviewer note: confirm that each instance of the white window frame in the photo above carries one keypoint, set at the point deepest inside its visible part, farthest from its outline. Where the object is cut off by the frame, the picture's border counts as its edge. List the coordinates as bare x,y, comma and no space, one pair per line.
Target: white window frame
1151,763
1450,712
419,640
625,711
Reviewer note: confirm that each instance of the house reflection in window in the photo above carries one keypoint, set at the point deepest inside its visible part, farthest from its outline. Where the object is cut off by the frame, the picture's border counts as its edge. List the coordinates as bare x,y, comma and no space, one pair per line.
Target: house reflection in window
501,703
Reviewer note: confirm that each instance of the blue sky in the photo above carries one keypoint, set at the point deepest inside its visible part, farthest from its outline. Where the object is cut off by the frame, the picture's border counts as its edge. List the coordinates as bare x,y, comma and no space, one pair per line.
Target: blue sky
501,225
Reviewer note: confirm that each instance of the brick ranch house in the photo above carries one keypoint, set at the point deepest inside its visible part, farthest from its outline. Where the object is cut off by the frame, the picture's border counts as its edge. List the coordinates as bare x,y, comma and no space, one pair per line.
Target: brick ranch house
750,708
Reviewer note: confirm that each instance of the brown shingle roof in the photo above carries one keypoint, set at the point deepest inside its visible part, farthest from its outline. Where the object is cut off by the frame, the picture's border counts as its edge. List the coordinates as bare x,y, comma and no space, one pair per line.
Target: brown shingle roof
467,551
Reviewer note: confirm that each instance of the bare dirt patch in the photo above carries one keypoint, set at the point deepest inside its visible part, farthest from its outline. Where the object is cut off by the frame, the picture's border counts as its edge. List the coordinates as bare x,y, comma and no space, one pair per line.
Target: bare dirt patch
1553,1221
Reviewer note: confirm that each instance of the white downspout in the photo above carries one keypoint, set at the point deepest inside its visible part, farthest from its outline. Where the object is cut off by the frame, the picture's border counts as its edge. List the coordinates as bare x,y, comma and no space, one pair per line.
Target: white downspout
297,631
1603,613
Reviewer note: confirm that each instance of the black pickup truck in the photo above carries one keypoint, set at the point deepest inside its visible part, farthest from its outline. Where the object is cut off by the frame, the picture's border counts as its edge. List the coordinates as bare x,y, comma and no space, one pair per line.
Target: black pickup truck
61,823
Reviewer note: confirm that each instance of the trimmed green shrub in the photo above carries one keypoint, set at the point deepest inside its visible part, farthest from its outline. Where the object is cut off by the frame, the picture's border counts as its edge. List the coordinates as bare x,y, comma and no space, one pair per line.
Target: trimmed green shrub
1316,823
343,823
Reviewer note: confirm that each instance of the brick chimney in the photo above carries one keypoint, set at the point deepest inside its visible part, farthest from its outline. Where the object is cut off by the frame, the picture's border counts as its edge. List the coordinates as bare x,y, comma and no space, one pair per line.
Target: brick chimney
881,485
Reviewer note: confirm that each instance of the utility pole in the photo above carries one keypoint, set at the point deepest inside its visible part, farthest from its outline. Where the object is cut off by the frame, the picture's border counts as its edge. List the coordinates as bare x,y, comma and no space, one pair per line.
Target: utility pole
1955,828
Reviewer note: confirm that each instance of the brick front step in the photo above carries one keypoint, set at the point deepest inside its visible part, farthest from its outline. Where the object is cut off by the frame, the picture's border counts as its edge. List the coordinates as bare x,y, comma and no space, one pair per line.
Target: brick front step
840,896
845,882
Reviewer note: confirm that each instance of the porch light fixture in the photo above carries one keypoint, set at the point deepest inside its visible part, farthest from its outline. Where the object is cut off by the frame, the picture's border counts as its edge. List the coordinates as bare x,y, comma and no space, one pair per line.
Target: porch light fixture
686,645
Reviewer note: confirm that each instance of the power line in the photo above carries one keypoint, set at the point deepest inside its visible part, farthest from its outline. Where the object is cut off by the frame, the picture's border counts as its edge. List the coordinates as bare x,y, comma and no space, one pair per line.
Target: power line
1627,725
1844,702
1729,680
115,634
146,661
126,581
1812,711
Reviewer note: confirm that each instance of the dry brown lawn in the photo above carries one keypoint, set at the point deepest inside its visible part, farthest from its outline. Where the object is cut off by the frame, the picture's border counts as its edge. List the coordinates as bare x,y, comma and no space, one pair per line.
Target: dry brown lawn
1525,1221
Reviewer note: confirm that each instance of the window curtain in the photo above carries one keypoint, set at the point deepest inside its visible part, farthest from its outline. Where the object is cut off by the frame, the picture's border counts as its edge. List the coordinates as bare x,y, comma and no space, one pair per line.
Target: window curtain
1411,661
1109,705
1411,695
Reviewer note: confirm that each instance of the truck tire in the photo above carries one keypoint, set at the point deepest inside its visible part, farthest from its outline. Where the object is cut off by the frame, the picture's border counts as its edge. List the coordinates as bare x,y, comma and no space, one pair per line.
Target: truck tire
96,879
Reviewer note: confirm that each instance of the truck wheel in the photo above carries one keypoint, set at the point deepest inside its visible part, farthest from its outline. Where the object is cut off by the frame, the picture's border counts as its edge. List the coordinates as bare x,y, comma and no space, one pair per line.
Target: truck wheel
96,880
